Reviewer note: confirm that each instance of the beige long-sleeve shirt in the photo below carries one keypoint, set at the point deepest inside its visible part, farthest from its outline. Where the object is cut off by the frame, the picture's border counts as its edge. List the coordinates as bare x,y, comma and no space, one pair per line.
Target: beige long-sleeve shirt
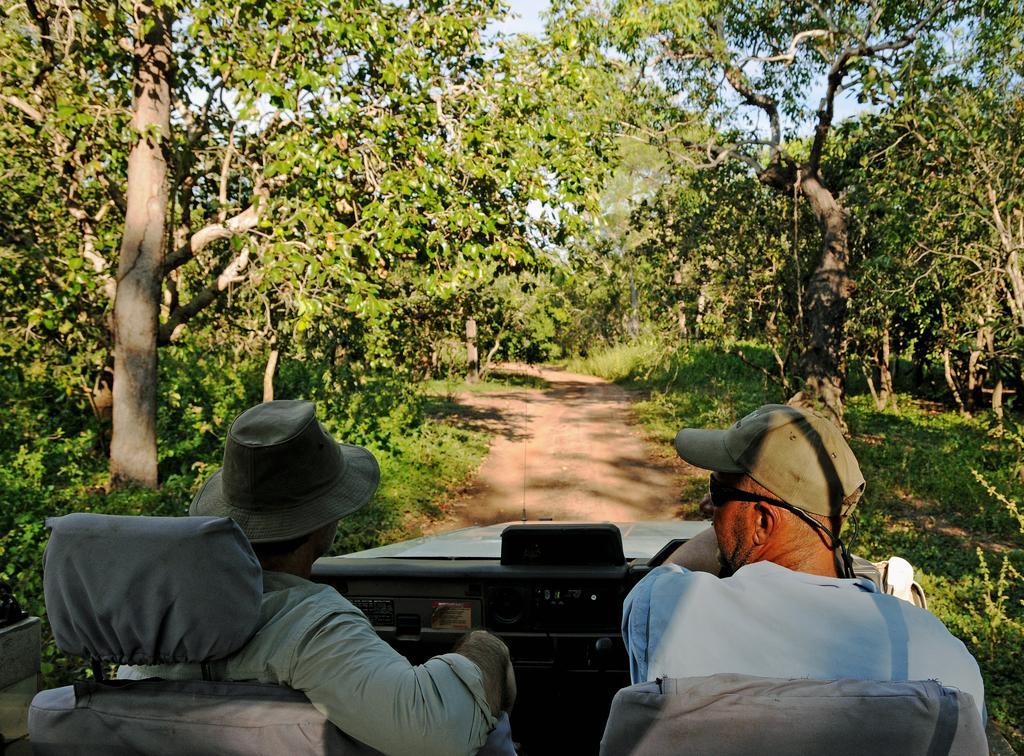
311,638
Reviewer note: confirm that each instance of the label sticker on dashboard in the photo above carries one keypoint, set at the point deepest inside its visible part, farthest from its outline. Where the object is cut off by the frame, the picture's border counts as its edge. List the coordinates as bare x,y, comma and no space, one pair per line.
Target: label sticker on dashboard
380,612
451,615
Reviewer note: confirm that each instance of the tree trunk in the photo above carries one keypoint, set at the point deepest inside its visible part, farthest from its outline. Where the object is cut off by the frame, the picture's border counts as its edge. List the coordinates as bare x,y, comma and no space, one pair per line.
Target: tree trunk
921,349
885,379
677,279
486,367
997,399
825,303
702,302
995,373
633,322
133,451
976,368
269,370
951,382
1016,293
870,379
472,355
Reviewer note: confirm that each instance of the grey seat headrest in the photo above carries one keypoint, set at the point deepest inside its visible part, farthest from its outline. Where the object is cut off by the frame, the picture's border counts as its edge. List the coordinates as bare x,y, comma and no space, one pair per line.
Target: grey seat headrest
150,590
733,715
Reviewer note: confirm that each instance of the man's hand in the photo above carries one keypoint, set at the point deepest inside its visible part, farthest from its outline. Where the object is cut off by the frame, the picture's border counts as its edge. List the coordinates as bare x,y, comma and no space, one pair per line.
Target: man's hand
491,655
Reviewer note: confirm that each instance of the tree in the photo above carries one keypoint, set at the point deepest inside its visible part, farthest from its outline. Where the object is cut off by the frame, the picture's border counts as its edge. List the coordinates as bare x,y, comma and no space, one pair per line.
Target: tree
933,184
640,172
310,148
717,66
728,253
945,270
133,451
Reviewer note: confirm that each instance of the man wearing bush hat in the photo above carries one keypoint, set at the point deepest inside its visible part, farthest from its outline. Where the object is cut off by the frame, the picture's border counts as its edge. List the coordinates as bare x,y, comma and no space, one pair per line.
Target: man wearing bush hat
287,483
769,590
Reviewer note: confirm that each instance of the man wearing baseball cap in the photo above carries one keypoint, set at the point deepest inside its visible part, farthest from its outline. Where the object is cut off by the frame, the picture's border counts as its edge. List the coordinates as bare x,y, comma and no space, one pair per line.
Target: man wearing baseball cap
286,483
769,591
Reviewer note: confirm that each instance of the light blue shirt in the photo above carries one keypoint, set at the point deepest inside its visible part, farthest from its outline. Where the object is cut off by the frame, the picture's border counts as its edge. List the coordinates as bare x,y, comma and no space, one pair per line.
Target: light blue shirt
769,621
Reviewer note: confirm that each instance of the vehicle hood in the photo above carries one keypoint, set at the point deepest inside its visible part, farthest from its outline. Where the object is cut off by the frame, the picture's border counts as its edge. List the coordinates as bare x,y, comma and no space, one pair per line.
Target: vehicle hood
640,540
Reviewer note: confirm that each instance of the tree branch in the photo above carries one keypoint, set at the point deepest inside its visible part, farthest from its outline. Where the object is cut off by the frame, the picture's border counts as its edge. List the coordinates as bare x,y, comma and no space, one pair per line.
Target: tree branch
719,153
195,134
876,15
114,192
742,86
42,21
242,223
716,153
225,173
825,17
233,273
790,55
1005,234
27,110
826,110
99,265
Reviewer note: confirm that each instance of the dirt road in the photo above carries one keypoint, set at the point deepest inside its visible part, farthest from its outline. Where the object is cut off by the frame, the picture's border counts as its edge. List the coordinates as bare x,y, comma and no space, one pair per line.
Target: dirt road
566,452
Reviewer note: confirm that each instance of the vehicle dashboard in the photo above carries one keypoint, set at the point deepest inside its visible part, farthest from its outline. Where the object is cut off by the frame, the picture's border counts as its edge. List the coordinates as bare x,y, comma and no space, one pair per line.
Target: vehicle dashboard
553,592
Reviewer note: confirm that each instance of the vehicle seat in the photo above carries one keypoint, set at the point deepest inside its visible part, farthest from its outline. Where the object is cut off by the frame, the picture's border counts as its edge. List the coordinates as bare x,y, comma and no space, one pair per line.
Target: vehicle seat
158,590
730,714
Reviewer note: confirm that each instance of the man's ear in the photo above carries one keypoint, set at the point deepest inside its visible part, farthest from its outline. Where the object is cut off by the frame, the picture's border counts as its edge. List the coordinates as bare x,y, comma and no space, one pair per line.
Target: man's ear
766,520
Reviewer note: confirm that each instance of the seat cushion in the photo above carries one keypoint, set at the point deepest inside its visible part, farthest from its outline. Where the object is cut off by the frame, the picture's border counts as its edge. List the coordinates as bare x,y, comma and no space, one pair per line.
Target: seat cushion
196,717
738,714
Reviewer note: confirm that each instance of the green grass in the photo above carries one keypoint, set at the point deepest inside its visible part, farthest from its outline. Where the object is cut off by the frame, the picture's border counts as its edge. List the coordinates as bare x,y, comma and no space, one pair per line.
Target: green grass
416,478
701,387
922,501
439,400
495,381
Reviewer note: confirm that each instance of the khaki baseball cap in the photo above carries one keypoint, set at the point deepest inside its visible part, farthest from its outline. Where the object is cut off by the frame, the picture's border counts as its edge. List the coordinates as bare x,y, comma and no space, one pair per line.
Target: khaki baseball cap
795,453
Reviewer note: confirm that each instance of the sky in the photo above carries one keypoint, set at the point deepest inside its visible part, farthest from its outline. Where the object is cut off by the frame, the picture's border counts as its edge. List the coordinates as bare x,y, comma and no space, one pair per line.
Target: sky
524,17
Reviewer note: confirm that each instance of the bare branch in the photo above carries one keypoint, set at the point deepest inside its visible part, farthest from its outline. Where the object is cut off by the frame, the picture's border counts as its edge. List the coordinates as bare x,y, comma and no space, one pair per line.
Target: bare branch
239,224
225,172
27,110
204,117
737,79
790,55
741,84
905,39
233,273
715,153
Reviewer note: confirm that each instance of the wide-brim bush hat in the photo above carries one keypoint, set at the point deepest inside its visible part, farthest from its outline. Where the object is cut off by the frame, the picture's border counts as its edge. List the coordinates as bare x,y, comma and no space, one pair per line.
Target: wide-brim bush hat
797,454
284,476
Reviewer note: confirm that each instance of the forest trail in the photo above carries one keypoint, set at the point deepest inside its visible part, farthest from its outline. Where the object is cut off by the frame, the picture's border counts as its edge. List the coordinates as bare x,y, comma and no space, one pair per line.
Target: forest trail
570,451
